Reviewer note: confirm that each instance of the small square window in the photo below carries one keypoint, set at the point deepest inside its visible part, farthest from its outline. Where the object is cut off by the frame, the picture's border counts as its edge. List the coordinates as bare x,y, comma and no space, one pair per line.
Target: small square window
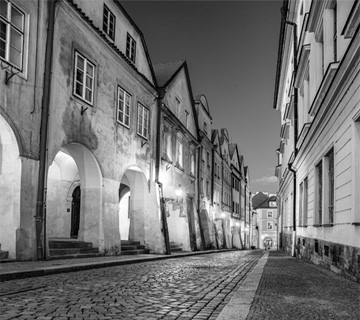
270,225
143,121
130,48
84,78
269,214
109,22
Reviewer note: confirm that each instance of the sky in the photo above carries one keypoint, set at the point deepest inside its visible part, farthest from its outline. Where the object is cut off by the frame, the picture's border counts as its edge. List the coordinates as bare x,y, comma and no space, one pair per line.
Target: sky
231,51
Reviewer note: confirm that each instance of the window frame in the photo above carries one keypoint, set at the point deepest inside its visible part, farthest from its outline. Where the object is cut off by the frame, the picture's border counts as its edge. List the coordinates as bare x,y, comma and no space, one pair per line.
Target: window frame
106,25
270,223
145,111
179,155
130,48
9,26
86,62
122,122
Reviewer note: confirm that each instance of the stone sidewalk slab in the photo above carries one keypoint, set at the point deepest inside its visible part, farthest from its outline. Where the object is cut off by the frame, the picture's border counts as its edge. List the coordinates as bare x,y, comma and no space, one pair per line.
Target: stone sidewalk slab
239,305
283,287
27,269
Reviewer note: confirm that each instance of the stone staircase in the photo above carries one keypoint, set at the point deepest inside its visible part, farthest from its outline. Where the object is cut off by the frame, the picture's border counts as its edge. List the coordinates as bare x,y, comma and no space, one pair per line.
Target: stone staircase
63,248
174,247
133,248
4,255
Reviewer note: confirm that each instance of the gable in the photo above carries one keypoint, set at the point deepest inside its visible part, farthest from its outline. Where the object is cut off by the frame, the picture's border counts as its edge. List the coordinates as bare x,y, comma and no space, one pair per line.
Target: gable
178,99
123,25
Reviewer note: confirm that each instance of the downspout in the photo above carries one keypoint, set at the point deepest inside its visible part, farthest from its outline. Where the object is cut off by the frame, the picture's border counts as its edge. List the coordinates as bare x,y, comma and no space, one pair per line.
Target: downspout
200,149
40,217
165,230
245,215
294,25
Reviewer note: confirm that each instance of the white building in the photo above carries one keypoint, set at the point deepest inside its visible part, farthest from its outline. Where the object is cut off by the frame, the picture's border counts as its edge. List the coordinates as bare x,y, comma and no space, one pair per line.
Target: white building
318,95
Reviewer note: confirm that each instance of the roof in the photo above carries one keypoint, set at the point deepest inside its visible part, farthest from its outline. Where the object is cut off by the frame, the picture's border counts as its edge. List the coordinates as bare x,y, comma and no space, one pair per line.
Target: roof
165,71
261,200
202,99
232,148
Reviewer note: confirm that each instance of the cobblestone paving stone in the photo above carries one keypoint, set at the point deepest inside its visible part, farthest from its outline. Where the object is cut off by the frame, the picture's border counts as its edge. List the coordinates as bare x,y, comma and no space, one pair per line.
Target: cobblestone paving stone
196,287
293,289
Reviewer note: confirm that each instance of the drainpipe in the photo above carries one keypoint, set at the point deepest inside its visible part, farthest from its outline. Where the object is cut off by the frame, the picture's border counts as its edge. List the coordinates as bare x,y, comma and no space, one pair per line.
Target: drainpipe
40,217
161,93
294,25
200,149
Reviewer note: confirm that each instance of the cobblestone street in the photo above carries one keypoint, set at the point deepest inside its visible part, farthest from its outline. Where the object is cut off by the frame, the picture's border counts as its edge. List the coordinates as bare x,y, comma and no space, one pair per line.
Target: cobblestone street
195,287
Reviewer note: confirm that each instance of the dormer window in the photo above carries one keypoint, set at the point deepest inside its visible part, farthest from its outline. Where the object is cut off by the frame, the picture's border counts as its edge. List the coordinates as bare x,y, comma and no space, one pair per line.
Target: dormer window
109,22
205,127
130,48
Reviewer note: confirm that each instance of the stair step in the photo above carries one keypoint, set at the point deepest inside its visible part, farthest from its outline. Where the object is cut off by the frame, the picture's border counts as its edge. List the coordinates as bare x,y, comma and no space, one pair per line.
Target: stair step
135,252
76,255
132,247
4,255
130,242
66,251
57,244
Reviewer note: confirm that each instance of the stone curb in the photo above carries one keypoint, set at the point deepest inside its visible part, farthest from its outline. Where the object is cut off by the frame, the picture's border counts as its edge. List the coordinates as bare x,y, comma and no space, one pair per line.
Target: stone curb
44,271
239,305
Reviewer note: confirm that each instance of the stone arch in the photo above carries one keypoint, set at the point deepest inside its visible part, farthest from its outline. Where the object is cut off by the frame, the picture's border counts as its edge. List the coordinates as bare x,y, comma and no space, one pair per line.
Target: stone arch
133,183
74,165
10,187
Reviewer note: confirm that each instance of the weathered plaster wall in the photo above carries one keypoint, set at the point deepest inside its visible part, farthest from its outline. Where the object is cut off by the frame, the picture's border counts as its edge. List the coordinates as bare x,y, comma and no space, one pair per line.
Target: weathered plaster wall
94,10
108,148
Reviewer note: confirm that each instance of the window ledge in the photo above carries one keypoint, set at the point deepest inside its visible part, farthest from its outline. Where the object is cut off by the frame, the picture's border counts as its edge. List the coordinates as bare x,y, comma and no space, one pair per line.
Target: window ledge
317,225
356,224
166,159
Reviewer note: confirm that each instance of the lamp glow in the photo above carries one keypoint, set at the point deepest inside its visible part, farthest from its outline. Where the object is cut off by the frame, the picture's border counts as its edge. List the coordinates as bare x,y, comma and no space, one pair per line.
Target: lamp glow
178,191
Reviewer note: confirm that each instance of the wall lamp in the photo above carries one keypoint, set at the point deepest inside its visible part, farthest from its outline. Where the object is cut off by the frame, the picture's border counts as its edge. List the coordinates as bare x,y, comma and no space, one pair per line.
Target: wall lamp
178,194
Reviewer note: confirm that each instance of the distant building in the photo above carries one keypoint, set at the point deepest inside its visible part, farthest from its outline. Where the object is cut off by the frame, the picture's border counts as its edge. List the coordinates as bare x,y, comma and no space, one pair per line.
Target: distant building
265,207
318,95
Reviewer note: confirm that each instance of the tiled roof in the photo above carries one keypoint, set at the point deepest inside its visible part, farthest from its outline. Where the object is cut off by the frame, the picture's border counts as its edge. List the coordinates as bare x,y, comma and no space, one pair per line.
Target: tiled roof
259,199
164,71
232,147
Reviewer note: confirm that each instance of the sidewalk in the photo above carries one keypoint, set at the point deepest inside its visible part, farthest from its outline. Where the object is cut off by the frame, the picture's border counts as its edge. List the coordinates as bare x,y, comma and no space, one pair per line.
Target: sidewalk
283,287
27,269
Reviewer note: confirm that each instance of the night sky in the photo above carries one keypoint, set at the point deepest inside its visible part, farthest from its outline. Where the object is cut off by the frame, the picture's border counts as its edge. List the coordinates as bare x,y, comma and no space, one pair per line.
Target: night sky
231,51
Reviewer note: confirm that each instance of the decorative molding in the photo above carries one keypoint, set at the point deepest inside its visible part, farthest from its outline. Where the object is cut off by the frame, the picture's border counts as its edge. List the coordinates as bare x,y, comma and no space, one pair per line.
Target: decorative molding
303,65
324,86
353,21
303,133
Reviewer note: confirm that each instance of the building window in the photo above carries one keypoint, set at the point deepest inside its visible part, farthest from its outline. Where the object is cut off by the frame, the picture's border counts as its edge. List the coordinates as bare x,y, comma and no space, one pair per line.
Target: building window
301,201
202,186
270,225
84,78
319,184
130,48
168,145
208,159
109,22
187,119
305,203
12,22
207,188
192,163
269,214
329,160
143,121
123,107
179,153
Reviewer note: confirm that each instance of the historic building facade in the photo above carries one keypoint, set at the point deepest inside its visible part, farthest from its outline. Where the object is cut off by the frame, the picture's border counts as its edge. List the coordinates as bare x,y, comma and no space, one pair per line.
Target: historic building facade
265,206
99,149
317,94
